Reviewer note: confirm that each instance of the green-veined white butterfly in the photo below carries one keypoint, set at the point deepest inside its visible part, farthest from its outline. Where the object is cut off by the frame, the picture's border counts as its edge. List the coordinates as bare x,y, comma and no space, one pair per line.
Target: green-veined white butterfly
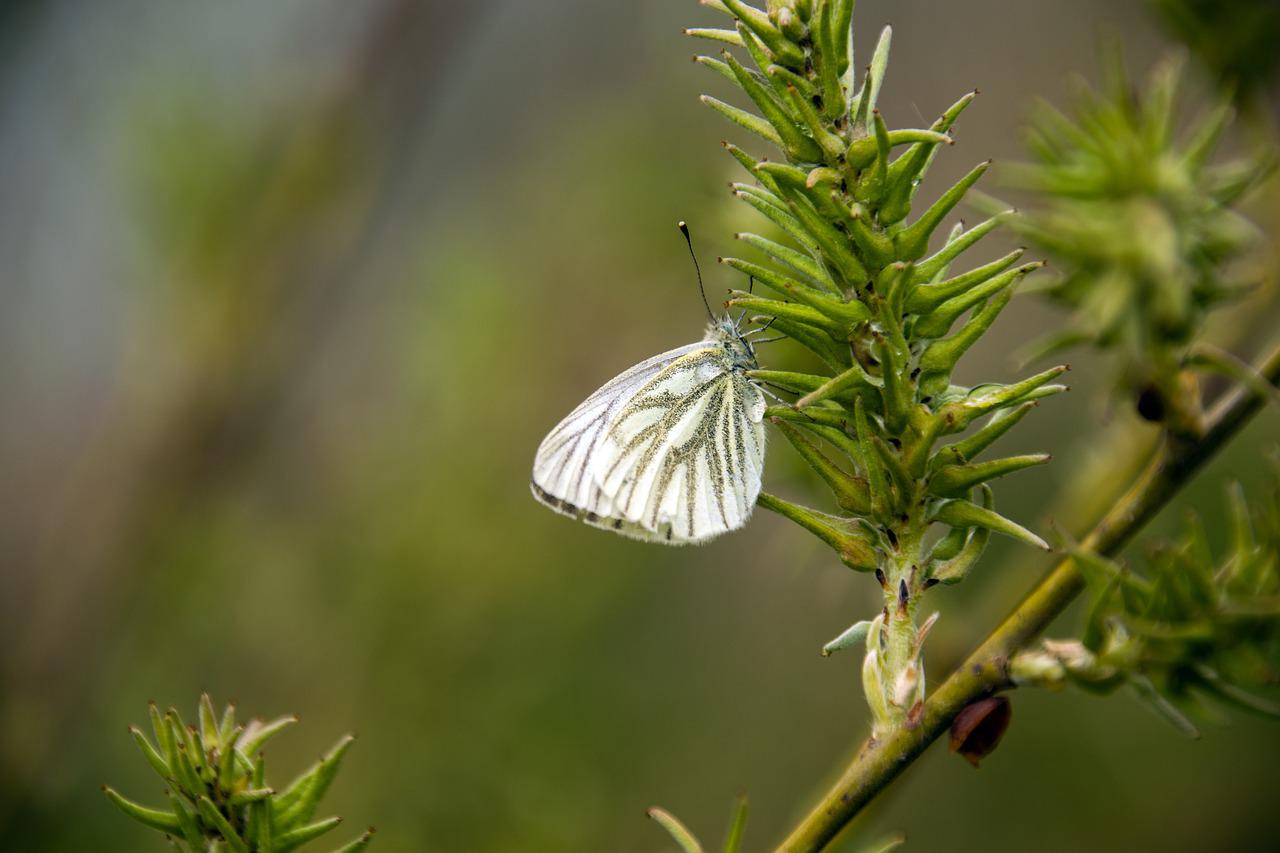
671,450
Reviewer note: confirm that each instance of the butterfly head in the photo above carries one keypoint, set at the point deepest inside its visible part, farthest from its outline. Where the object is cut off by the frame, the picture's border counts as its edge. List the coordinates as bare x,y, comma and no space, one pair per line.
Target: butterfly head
725,332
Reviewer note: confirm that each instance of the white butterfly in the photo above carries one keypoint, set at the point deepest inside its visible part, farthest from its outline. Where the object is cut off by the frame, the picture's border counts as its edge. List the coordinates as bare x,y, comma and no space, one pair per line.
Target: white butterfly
670,451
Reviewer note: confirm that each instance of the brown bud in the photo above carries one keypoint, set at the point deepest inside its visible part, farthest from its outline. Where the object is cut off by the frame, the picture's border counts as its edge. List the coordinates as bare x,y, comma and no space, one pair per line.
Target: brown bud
977,730
1150,404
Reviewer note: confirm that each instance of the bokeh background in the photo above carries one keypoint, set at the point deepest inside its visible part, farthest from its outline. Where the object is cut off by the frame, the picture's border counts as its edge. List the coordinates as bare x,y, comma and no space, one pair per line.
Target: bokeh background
292,290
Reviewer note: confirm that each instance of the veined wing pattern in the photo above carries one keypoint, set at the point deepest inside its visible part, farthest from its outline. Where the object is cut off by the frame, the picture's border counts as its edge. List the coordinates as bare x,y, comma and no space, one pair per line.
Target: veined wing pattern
672,450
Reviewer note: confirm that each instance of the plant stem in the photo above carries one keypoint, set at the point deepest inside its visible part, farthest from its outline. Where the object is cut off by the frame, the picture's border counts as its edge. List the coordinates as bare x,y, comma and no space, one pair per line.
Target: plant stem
985,671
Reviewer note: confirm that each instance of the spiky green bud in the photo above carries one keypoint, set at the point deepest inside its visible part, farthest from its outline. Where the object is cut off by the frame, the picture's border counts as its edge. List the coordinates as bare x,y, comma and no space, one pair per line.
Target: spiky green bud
1139,222
216,784
1190,626
852,278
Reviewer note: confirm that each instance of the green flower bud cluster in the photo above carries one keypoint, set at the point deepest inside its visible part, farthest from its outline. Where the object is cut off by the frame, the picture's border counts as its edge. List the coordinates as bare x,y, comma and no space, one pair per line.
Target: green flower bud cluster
1190,626
1139,223
856,283
219,799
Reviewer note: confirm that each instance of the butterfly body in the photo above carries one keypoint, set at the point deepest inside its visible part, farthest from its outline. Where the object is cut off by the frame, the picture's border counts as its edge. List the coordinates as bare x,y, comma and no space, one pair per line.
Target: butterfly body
671,450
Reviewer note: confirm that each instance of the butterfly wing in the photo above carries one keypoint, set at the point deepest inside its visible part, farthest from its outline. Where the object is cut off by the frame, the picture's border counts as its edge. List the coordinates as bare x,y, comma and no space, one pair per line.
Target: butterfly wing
563,467
681,461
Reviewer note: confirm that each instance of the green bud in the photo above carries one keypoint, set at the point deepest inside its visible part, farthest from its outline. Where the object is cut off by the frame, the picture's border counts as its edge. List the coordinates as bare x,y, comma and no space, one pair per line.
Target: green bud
744,119
794,142
726,36
928,297
854,378
210,814
962,513
828,67
850,492
854,635
882,500
912,241
954,480
775,210
851,543
797,261
762,28
789,310
989,398
295,838
154,818
968,448
941,356
936,264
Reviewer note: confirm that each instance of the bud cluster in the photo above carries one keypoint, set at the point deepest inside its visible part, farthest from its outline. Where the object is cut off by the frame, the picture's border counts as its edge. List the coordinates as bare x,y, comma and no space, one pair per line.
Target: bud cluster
870,292
1138,220
218,794
1190,626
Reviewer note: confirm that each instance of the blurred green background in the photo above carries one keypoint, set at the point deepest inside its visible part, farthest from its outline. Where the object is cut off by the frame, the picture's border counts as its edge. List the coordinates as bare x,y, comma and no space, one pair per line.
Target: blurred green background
291,293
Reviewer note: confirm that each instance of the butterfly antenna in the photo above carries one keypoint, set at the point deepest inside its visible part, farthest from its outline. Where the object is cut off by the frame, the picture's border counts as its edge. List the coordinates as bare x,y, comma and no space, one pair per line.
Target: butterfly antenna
684,229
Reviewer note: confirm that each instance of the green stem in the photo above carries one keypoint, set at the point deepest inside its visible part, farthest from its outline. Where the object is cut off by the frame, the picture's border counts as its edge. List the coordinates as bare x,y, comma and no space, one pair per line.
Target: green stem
986,670
900,613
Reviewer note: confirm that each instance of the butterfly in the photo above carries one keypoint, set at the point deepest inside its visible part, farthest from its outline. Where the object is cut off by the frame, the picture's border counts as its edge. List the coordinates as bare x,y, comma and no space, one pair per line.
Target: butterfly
671,450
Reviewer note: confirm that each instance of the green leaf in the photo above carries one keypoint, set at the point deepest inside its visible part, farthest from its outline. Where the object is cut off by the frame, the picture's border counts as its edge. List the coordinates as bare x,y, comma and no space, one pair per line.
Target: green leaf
962,513
854,378
941,356
988,398
299,802
827,61
726,36
677,830
154,818
968,449
855,548
854,635
937,263
927,297
913,241
742,118
835,246
210,813
257,733
227,726
956,568
850,492
789,310
760,25
794,142
876,248
295,838
187,822
208,721
153,757
801,263
776,211
874,79
954,480
882,499
737,826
